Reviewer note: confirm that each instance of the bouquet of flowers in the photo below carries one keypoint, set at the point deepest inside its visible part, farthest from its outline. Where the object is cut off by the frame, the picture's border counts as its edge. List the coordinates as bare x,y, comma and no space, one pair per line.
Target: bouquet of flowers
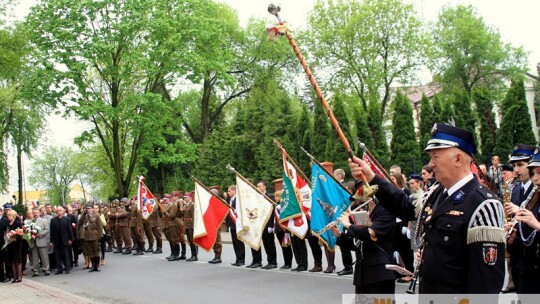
31,230
17,234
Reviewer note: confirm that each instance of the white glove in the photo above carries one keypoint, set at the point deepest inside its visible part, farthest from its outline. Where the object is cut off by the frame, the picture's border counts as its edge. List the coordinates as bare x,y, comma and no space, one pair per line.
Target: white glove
404,230
270,230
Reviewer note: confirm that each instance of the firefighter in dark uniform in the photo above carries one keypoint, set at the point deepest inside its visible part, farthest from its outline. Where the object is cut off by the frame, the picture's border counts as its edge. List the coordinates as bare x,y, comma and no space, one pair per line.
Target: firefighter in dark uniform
460,222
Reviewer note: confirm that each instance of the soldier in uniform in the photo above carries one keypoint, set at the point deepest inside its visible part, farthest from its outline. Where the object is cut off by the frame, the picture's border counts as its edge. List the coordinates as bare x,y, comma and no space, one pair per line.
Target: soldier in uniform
123,235
171,228
187,217
136,226
90,230
519,159
218,245
460,222
154,224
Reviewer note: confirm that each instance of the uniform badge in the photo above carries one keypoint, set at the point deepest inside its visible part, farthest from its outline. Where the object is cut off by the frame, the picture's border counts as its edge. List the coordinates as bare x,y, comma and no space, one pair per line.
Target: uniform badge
536,151
459,195
428,218
434,129
515,148
455,213
489,253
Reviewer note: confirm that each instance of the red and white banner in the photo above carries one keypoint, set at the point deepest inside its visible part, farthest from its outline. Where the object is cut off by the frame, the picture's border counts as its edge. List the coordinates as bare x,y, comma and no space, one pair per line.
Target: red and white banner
376,169
208,214
145,199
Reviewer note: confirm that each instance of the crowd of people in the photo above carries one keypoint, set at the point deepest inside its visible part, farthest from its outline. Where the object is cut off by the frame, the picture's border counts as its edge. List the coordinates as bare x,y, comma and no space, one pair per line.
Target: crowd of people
446,226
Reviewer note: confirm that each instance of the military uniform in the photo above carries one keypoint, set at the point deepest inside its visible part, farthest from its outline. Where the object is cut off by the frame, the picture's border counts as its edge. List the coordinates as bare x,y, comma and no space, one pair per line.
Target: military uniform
171,229
90,230
464,239
187,209
154,223
136,227
123,235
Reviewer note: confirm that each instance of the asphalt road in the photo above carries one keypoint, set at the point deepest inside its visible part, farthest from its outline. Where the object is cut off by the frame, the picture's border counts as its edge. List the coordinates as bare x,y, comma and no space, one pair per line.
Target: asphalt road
152,279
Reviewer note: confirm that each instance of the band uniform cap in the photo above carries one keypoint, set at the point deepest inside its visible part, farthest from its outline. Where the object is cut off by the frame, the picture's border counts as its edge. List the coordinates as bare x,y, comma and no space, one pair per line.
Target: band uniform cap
522,152
535,160
507,167
447,136
167,195
416,176
124,200
8,206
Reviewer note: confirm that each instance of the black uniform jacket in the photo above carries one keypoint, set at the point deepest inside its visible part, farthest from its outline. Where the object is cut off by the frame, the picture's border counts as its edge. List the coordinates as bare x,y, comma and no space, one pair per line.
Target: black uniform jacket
464,237
371,256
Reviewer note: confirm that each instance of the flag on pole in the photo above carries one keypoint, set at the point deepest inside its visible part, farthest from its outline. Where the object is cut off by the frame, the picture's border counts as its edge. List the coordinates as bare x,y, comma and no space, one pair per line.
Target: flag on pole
209,211
295,190
253,212
374,167
330,200
145,199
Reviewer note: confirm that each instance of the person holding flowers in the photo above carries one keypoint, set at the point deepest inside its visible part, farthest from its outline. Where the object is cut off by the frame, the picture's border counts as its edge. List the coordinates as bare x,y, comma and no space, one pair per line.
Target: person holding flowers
39,229
14,246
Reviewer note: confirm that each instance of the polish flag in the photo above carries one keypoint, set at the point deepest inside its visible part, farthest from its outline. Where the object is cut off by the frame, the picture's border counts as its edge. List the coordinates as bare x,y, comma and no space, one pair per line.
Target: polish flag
209,213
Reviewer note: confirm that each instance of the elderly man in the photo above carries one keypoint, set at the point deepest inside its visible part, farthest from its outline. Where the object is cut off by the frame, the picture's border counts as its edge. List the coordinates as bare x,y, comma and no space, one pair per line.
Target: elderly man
461,221
40,245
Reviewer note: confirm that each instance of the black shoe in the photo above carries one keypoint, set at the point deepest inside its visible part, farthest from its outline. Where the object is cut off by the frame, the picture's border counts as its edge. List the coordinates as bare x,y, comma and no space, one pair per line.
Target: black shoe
149,250
127,252
47,273
330,269
157,251
5,280
508,290
67,271
301,268
254,265
108,250
192,259
58,272
234,264
118,251
241,263
35,275
174,258
215,261
270,266
285,267
139,253
345,271
182,257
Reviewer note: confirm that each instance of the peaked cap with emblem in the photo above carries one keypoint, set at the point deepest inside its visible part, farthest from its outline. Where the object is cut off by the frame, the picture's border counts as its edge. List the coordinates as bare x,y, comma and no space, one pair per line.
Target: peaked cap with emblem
522,152
535,160
447,136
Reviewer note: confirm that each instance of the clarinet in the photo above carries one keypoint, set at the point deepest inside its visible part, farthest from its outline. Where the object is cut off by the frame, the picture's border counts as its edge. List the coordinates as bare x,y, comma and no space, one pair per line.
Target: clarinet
522,206
412,286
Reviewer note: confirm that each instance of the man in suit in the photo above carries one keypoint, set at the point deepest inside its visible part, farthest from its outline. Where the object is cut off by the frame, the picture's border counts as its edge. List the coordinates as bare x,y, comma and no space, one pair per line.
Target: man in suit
460,222
61,239
267,236
40,245
238,246
519,159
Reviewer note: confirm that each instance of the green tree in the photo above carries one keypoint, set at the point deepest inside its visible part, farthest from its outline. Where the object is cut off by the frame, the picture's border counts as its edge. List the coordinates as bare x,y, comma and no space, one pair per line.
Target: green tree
463,114
335,152
362,130
366,45
322,132
305,134
377,133
437,108
54,171
109,63
447,114
466,52
516,125
486,121
405,151
427,119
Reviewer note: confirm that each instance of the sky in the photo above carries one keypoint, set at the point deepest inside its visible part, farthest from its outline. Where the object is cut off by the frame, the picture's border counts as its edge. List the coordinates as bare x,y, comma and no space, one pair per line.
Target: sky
515,20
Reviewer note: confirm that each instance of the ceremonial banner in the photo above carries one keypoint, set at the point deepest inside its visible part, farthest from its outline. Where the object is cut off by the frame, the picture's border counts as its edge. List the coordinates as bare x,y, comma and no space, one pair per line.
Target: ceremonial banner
295,190
209,211
376,169
253,212
330,200
145,199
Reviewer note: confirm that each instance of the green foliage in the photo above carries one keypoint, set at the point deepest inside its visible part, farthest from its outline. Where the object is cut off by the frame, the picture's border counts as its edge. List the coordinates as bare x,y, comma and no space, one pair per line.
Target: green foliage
54,171
447,114
463,114
516,125
437,109
404,147
466,52
377,133
366,45
305,134
427,119
322,133
362,130
335,152
487,124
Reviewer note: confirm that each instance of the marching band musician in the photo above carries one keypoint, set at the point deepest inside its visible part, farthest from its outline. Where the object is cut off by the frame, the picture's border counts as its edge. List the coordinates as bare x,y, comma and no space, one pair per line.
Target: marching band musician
527,228
461,221
519,159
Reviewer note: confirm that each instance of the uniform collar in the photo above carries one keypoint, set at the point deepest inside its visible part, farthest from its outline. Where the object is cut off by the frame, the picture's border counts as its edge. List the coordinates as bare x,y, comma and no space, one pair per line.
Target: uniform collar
526,185
460,184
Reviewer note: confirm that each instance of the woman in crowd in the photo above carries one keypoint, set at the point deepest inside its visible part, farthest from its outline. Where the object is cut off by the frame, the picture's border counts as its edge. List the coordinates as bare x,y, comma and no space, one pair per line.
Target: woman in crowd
14,249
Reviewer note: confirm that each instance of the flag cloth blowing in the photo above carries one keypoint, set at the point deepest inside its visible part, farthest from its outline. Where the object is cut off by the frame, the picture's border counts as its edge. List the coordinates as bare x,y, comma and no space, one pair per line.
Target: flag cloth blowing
208,214
373,165
330,200
253,212
145,199
293,213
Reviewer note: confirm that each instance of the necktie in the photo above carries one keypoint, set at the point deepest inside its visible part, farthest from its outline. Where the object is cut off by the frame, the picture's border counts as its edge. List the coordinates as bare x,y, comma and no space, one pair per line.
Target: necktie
522,194
440,200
